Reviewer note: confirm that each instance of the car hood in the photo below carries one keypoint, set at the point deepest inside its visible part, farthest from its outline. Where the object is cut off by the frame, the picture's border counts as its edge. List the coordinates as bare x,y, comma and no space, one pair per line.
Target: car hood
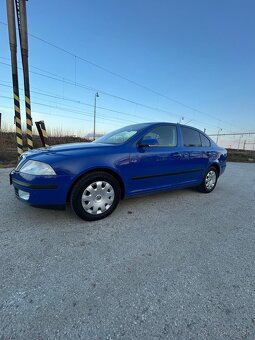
49,153
60,148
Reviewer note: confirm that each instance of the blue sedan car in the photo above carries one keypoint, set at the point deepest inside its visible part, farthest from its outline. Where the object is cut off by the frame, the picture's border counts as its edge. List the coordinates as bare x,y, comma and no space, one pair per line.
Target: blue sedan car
133,160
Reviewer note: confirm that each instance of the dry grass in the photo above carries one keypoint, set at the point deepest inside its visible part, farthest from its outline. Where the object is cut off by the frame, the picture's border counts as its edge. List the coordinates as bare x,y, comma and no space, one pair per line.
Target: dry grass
241,155
8,150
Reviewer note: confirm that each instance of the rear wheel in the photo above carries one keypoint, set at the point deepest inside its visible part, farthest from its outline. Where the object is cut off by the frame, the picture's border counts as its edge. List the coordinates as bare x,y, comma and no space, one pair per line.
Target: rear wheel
95,196
209,181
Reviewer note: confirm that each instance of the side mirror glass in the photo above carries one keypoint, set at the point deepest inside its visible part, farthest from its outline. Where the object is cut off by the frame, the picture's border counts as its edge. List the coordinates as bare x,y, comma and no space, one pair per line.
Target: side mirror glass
148,142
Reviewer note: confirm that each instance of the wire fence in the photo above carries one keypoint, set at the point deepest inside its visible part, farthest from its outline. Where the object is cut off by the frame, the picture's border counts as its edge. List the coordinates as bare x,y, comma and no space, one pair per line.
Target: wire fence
237,141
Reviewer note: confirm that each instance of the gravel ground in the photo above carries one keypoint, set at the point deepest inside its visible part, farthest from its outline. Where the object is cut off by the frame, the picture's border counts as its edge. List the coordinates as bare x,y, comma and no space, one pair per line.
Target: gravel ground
175,265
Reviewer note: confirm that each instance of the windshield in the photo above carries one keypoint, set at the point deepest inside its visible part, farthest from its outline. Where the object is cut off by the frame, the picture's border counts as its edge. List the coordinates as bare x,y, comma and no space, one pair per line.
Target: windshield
120,136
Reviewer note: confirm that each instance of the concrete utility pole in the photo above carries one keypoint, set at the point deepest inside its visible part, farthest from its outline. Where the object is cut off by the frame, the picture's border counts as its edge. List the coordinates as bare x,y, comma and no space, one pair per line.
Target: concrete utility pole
15,82
22,24
218,135
239,142
95,108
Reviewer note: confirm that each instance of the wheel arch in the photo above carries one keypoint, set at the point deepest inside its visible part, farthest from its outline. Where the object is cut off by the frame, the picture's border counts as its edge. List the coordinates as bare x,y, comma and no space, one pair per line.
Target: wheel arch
106,170
217,167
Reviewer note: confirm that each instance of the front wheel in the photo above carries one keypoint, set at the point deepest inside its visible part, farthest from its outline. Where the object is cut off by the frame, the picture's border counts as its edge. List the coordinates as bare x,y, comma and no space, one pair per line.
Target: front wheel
95,196
209,181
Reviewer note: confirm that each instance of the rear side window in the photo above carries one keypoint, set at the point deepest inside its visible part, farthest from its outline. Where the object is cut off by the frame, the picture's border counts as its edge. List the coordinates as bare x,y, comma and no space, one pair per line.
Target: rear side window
165,135
191,137
205,141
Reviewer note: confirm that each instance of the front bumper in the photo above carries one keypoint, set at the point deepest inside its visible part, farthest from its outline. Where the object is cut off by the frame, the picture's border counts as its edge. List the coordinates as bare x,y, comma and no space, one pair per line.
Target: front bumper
41,190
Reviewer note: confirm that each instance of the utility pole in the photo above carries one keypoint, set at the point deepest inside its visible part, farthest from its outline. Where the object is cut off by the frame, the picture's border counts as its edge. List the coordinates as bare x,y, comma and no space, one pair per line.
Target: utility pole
0,121
239,142
244,144
15,82
218,135
95,108
22,24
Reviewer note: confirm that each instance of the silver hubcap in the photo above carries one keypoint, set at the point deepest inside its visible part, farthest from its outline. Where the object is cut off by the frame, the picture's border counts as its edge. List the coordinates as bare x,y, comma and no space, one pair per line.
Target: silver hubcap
97,197
210,180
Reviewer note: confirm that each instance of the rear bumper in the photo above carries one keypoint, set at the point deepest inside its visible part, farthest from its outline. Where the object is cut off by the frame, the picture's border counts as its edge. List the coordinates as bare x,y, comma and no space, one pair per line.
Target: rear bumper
40,190
222,168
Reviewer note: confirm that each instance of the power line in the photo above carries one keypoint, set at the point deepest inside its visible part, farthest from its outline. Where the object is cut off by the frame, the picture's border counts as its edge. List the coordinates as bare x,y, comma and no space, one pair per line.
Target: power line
100,107
124,78
82,113
70,82
129,80
77,112
76,101
89,88
79,102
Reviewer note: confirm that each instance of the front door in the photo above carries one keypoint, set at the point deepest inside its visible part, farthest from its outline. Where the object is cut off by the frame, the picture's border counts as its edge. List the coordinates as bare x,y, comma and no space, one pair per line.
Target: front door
156,161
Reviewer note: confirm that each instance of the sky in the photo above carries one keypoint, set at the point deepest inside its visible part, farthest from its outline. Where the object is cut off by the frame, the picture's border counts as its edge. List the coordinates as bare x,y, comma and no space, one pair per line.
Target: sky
178,60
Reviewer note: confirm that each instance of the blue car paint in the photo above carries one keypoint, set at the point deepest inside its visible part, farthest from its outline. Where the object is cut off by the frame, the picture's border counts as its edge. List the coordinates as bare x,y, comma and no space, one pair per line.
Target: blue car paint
140,169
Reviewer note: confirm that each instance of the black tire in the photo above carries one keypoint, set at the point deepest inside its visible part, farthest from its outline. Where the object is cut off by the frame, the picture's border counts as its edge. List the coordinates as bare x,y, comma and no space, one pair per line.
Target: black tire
80,207
203,187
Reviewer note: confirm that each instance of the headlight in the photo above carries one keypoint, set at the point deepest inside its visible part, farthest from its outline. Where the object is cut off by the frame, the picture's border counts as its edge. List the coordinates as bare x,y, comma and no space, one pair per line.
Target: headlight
21,159
37,168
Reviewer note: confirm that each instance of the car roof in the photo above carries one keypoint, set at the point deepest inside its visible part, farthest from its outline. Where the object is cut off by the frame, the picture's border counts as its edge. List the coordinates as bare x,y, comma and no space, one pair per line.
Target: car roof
144,125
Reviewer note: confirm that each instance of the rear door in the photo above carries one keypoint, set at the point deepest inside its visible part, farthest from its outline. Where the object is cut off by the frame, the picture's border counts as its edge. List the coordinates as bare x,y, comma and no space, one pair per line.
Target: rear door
196,151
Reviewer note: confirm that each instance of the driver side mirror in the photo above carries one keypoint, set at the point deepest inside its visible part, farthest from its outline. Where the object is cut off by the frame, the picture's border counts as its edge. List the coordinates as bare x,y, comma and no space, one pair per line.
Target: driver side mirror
147,142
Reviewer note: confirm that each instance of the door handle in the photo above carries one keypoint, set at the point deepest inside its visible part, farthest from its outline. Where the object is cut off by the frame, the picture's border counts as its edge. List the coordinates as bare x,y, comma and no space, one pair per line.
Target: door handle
177,155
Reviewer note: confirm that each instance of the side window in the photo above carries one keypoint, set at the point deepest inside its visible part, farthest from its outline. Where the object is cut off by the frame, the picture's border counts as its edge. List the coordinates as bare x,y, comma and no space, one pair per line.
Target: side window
205,141
164,135
190,137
